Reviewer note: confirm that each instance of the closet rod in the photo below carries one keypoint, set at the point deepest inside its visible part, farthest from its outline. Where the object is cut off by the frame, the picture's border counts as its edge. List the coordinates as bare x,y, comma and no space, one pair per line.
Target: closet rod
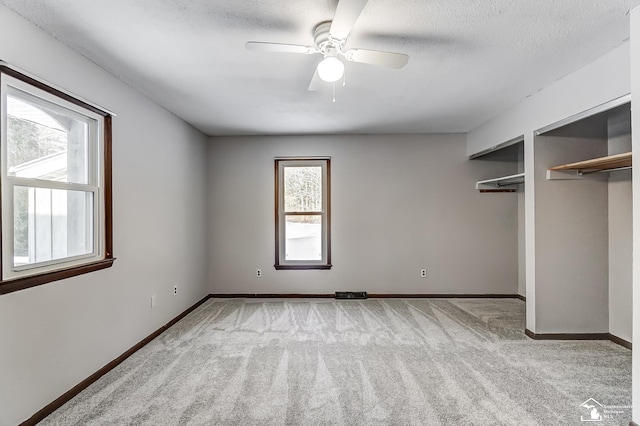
617,169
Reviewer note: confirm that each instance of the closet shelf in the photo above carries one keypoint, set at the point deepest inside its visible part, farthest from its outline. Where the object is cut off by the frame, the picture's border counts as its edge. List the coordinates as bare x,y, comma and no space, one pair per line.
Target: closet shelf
617,161
500,184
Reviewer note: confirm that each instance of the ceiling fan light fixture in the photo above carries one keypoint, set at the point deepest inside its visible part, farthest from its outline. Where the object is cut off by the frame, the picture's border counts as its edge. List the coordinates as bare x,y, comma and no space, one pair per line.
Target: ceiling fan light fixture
330,69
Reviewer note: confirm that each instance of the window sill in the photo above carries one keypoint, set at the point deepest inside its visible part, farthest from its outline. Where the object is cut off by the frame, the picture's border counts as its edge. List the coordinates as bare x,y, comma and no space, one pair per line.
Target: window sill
301,267
17,284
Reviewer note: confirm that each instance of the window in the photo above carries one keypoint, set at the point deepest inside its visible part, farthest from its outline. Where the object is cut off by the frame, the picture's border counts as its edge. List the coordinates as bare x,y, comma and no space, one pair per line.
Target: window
303,213
55,182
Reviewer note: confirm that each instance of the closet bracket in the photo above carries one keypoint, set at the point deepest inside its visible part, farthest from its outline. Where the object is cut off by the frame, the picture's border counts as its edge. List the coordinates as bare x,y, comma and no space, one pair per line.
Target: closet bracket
564,174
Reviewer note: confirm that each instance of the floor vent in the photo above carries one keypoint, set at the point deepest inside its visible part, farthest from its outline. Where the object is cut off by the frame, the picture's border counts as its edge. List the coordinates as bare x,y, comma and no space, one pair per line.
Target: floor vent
351,294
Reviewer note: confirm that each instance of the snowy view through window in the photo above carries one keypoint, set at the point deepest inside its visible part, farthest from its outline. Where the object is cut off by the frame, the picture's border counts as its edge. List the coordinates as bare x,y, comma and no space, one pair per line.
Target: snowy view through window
303,208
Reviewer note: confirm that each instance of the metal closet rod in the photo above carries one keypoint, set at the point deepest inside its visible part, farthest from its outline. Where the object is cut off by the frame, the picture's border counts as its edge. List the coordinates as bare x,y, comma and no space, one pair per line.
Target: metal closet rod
501,184
617,169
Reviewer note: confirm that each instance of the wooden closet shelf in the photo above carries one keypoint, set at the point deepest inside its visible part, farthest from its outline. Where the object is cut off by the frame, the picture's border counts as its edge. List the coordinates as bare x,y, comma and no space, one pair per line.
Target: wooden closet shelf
610,162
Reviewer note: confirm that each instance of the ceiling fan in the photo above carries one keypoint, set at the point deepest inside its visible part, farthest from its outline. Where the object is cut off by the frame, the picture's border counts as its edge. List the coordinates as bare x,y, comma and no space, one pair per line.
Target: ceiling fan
330,38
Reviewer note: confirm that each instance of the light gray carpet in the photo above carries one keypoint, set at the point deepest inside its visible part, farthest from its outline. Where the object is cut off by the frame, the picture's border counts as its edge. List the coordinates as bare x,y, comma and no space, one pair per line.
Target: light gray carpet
378,361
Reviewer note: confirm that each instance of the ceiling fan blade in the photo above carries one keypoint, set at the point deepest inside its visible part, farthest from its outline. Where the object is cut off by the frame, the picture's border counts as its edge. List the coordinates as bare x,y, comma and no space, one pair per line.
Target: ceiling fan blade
279,47
316,83
377,57
346,16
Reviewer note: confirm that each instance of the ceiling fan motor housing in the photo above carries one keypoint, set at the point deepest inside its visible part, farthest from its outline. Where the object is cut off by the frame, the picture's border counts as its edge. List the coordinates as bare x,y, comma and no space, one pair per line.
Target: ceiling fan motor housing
323,40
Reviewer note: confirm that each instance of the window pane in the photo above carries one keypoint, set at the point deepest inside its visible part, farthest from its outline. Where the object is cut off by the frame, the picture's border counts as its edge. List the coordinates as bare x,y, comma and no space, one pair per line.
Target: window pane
303,189
51,224
46,143
303,237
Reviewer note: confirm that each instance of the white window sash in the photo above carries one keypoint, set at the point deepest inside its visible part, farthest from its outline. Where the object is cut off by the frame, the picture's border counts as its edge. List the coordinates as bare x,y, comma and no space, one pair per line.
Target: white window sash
282,214
23,90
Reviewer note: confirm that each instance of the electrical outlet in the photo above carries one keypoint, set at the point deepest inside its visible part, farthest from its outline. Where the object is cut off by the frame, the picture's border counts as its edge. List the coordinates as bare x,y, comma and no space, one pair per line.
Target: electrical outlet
258,273
153,301
423,273
175,290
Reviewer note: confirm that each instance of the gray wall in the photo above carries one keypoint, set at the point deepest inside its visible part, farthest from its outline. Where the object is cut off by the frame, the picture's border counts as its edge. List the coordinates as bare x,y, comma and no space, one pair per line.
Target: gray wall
522,258
571,235
399,203
54,336
522,271
620,235
635,142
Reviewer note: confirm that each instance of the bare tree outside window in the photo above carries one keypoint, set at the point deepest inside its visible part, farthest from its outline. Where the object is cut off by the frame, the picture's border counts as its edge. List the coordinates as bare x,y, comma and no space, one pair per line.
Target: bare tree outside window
303,189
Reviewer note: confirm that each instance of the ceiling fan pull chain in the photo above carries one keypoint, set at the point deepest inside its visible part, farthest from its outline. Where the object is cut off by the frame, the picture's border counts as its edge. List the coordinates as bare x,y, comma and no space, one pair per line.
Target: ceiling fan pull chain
334,92
344,78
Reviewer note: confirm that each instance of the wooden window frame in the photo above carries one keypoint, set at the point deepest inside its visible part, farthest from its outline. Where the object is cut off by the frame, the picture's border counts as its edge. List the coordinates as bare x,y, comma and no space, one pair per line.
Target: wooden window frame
106,259
281,264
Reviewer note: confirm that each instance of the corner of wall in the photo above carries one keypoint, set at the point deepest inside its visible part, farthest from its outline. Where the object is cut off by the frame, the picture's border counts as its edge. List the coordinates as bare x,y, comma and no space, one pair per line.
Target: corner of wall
635,124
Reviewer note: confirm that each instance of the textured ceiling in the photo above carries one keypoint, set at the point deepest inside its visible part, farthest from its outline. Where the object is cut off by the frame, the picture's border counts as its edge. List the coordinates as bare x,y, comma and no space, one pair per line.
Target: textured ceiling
469,59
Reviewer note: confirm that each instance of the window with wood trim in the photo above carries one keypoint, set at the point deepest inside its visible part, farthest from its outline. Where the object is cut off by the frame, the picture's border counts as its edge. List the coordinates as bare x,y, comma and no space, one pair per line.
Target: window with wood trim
55,182
303,213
